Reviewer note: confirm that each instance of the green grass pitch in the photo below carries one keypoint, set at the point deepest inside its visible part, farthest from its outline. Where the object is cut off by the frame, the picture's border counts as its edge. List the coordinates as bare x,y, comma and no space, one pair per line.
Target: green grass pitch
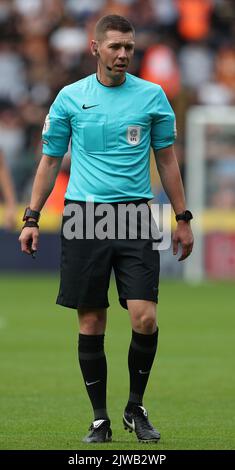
190,395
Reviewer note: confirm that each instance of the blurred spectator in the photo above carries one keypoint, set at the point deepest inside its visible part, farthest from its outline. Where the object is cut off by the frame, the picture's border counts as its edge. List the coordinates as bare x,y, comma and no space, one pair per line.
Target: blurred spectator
11,66
223,184
8,195
12,136
38,17
223,22
28,7
196,64
82,9
223,198
225,67
220,90
160,66
69,42
194,19
165,11
118,7
5,11
216,94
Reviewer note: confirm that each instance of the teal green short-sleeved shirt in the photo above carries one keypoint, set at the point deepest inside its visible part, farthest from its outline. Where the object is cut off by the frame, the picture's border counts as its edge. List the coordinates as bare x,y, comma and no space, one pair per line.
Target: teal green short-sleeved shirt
111,131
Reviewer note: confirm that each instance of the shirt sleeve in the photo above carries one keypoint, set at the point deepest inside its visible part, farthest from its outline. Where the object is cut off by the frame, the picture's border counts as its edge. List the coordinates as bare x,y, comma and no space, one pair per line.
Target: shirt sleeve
163,131
56,131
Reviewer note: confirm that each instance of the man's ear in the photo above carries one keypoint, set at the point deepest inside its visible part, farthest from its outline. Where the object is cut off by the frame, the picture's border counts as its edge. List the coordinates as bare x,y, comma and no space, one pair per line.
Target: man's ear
94,48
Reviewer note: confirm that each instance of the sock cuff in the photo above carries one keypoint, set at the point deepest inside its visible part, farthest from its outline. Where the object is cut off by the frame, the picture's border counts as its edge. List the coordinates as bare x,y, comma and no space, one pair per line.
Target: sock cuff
90,343
147,341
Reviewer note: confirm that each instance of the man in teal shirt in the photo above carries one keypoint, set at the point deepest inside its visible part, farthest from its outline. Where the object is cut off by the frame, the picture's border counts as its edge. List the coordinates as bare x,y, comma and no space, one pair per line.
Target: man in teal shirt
112,119
112,128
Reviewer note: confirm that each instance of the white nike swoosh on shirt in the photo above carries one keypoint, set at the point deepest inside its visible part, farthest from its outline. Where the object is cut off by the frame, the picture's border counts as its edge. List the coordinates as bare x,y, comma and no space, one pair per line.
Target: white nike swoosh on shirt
144,371
92,383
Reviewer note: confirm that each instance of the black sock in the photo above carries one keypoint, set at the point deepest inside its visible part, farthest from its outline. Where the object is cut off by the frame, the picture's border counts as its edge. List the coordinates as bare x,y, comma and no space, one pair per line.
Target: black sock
94,370
140,359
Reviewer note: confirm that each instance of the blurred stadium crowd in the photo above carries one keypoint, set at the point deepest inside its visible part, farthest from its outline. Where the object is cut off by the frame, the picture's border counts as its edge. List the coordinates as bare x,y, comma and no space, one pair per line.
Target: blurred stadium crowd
187,46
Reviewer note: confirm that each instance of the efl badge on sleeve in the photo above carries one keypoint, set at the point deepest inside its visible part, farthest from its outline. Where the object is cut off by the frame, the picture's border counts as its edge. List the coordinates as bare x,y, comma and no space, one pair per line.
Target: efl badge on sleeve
133,135
175,129
46,124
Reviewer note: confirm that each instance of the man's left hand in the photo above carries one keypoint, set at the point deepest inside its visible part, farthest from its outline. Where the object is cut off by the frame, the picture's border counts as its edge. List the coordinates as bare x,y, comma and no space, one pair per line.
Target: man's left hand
183,235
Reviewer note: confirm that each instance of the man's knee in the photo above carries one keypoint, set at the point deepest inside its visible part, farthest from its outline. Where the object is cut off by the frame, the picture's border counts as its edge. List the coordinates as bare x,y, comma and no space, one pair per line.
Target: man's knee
145,323
148,323
143,316
92,321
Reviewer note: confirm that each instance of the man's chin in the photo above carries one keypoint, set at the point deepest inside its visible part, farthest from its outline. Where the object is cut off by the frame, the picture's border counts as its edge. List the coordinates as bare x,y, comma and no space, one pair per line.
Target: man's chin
119,73
120,69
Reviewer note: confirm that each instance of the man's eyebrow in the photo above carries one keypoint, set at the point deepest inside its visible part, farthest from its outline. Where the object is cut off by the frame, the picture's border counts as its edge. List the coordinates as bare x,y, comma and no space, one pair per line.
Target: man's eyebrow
129,43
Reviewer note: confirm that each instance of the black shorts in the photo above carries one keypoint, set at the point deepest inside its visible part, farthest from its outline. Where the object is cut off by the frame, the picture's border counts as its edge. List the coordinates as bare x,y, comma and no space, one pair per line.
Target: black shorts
86,266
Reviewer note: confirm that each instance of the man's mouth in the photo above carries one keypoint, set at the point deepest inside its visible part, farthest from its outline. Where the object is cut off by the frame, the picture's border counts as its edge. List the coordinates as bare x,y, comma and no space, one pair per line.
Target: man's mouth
121,66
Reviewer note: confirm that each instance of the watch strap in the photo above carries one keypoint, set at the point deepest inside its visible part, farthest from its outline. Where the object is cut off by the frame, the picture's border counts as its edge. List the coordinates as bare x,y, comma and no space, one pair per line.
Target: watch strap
186,216
30,223
29,213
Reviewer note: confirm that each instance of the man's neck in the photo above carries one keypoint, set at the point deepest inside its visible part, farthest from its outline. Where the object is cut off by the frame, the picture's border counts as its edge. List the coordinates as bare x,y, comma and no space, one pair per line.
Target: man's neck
110,81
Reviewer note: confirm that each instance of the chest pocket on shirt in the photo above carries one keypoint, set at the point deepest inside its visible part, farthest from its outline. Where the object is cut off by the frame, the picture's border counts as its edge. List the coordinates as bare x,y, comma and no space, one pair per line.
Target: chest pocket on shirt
91,128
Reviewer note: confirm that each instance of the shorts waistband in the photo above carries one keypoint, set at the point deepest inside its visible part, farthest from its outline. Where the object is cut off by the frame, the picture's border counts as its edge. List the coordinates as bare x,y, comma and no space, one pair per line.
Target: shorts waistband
83,203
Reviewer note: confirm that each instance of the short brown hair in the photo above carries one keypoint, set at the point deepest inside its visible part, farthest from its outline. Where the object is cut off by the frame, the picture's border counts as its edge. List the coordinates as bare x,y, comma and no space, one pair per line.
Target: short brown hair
110,23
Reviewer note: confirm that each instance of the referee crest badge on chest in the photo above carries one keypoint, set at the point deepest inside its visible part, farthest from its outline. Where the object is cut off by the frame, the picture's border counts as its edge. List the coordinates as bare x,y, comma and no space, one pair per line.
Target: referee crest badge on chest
133,135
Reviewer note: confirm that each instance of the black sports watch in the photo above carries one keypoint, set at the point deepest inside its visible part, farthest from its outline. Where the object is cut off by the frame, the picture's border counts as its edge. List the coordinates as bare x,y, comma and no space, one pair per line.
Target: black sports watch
186,216
30,214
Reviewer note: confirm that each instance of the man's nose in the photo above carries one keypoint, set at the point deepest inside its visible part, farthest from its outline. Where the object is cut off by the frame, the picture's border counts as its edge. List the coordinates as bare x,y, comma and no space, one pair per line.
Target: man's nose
122,53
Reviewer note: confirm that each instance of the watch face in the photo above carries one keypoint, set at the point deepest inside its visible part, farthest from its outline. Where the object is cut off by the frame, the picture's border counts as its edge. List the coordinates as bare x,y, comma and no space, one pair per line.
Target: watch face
25,213
31,214
188,215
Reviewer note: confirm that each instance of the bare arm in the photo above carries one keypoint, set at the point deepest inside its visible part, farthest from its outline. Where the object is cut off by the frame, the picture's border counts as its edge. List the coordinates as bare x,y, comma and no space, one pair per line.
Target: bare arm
8,193
43,184
169,172
44,181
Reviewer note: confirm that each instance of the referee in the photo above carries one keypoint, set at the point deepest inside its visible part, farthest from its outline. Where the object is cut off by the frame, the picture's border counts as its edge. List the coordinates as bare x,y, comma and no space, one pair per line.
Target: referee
112,119
8,194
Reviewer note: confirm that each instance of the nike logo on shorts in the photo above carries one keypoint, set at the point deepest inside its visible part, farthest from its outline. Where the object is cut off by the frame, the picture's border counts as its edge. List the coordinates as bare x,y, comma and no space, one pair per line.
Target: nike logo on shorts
92,383
144,371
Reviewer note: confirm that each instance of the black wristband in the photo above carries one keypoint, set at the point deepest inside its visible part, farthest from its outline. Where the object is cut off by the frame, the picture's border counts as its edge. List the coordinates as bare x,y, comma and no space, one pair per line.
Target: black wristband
30,223
186,216
29,213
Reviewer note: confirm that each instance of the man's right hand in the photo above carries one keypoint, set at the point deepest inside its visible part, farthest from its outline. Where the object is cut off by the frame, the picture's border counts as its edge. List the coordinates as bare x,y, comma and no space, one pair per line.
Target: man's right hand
29,240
